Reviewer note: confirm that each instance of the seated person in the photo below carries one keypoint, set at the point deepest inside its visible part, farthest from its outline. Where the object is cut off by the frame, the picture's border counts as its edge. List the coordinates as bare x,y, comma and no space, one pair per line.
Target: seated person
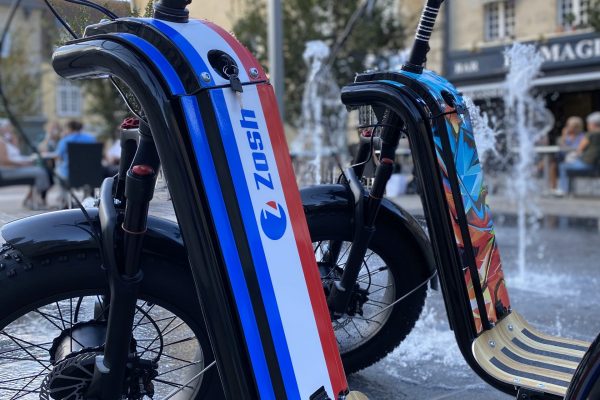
587,155
572,135
14,165
112,157
73,134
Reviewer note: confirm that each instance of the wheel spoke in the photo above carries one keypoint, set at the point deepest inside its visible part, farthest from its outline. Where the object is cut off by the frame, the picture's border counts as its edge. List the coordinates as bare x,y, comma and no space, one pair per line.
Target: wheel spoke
178,368
159,336
28,347
30,362
23,348
26,386
198,375
60,315
173,343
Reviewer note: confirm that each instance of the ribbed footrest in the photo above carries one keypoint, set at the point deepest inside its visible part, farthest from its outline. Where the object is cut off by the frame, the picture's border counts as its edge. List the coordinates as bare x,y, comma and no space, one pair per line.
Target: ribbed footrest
516,353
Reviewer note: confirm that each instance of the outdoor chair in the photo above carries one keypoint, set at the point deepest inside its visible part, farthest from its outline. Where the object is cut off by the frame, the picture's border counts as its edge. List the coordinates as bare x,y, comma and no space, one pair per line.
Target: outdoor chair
574,174
85,167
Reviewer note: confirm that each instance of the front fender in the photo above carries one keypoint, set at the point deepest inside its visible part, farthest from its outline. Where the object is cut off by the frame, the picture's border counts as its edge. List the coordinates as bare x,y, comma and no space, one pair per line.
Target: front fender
55,232
330,197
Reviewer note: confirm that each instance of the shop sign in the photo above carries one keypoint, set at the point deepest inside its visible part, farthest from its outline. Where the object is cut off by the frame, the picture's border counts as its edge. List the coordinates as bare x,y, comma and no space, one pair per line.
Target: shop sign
562,52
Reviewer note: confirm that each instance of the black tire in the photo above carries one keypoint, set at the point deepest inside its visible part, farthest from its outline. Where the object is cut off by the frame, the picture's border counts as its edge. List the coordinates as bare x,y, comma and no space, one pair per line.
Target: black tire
29,284
404,264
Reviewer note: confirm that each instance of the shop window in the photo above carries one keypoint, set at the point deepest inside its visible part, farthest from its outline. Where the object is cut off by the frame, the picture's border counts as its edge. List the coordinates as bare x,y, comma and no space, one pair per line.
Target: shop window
499,20
68,99
573,14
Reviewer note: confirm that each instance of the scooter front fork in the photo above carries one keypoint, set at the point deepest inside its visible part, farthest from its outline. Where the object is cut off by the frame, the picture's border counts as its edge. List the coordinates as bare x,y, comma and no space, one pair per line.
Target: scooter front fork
124,276
340,294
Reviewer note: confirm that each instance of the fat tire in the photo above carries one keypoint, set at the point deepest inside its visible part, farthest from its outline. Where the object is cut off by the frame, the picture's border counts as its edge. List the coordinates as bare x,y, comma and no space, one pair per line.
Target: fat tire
405,263
28,283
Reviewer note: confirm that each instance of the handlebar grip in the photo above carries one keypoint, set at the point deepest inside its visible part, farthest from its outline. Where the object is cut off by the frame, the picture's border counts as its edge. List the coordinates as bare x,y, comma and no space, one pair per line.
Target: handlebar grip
427,22
418,55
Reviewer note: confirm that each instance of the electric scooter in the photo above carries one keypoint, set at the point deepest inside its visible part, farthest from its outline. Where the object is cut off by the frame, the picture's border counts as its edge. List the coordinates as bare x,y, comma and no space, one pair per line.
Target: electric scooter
229,303
242,244
497,343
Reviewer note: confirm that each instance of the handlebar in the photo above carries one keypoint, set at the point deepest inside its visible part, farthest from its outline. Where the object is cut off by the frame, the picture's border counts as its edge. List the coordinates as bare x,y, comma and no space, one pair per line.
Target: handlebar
418,55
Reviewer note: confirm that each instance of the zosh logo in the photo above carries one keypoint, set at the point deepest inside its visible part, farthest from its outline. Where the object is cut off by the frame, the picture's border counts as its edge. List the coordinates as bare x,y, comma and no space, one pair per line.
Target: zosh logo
273,220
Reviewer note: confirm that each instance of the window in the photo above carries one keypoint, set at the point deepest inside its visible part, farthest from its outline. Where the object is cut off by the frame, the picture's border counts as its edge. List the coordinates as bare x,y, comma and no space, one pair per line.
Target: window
68,99
573,13
499,20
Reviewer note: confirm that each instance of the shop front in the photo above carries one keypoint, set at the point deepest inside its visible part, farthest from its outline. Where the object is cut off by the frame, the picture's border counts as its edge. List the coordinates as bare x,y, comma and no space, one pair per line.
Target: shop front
570,78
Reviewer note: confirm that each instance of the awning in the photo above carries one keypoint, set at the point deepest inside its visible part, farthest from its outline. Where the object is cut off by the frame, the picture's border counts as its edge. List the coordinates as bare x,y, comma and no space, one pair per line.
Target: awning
497,89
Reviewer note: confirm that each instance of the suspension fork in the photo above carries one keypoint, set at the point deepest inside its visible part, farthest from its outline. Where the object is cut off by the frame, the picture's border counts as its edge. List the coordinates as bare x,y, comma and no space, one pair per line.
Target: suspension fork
124,272
366,148
365,216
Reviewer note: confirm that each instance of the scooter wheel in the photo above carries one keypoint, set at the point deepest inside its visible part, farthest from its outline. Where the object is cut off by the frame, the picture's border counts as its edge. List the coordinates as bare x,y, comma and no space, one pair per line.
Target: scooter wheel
392,268
42,300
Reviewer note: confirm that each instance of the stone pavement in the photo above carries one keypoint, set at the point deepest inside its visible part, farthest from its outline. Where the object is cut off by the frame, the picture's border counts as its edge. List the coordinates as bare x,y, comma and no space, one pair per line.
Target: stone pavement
557,294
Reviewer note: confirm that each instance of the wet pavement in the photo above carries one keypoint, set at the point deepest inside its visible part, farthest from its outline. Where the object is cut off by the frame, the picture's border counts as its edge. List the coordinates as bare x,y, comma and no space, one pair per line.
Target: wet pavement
558,295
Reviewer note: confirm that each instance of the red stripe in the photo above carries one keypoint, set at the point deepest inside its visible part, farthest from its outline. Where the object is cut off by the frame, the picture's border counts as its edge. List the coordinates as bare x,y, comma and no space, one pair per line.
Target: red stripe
303,241
242,52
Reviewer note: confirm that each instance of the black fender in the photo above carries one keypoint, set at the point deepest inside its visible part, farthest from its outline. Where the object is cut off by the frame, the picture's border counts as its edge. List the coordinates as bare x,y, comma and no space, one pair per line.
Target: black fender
336,197
55,232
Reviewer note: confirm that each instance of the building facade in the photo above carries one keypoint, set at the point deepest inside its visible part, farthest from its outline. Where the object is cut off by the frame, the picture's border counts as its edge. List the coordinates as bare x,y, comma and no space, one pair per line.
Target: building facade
222,12
478,32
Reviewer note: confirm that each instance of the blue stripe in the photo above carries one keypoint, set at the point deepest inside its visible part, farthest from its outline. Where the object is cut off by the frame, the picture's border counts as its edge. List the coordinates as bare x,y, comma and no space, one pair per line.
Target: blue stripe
219,215
228,247
255,242
190,53
161,63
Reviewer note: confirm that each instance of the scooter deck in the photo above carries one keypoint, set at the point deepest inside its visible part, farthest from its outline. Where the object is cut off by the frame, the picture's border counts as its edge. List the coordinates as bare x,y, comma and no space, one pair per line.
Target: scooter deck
516,353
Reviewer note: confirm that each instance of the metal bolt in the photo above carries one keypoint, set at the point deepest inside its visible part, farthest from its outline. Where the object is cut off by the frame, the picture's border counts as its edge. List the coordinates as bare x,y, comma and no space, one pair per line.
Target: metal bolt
253,72
205,76
492,343
510,328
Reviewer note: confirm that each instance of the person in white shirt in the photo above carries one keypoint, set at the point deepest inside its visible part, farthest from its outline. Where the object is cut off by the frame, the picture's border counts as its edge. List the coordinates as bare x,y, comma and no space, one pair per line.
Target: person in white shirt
14,165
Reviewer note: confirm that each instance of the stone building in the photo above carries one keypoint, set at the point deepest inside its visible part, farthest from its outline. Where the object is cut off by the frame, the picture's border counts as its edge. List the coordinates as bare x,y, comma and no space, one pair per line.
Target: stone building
26,55
478,31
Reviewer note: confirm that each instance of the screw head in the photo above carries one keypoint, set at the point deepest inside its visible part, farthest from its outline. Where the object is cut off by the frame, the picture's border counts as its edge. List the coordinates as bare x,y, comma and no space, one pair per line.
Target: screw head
205,76
510,328
492,343
253,72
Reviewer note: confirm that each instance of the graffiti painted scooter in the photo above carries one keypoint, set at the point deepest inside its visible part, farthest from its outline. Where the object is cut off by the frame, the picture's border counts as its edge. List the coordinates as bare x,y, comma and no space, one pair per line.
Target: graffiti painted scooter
497,343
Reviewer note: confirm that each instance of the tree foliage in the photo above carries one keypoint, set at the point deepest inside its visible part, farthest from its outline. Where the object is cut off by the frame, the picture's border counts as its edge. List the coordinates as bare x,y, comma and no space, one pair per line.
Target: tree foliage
103,101
378,31
21,84
594,14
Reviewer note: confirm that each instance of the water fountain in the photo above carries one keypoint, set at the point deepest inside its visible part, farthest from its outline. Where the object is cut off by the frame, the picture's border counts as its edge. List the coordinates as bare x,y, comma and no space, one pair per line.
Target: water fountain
321,143
527,123
485,129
